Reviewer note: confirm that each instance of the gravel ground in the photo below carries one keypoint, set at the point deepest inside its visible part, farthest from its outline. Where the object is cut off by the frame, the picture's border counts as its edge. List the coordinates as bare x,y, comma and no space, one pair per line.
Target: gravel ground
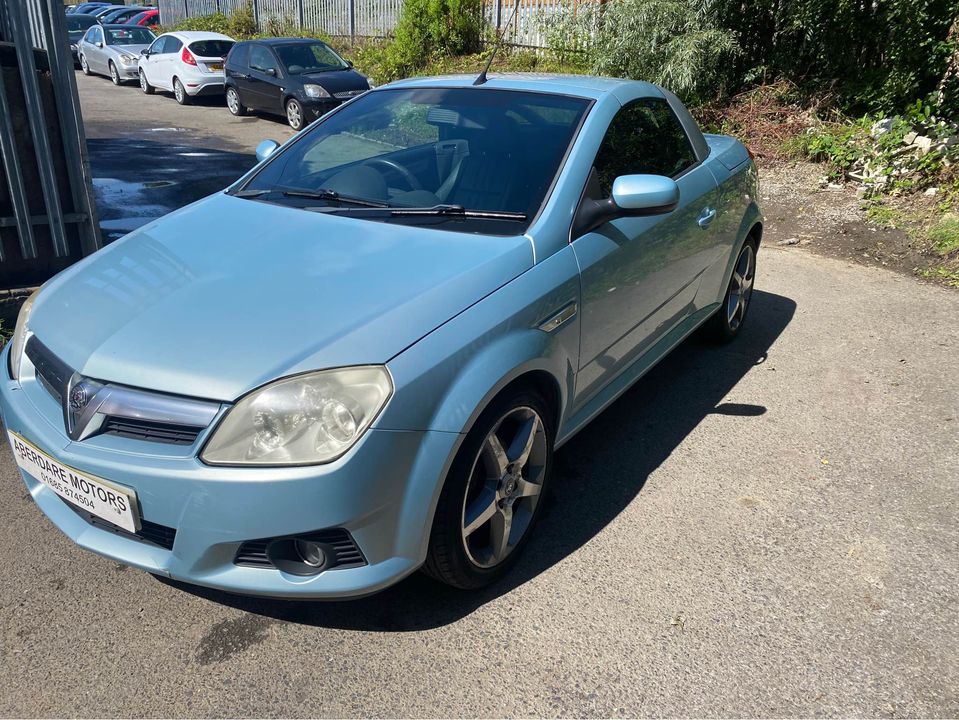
770,528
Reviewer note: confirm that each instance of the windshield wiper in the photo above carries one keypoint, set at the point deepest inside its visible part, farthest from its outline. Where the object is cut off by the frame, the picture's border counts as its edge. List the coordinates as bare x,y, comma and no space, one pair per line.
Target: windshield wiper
334,196
452,211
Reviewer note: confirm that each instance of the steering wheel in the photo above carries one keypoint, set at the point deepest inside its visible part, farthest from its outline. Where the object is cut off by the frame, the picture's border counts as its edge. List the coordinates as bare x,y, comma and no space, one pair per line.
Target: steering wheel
394,166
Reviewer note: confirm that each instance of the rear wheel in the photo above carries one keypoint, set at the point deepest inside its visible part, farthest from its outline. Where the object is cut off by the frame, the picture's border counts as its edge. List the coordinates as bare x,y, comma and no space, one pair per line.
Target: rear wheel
114,75
83,65
729,319
179,92
145,85
294,114
493,493
233,102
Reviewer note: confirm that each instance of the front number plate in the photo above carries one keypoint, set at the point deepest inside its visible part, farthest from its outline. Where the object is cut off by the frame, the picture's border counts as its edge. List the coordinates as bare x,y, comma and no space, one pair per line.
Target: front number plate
105,500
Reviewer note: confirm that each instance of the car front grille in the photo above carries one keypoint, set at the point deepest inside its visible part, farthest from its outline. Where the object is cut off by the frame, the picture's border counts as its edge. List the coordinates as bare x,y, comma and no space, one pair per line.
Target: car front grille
54,375
345,554
348,94
151,532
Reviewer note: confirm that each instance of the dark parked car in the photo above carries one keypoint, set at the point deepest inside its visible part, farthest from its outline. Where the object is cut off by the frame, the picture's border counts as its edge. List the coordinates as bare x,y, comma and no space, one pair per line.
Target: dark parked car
89,7
296,77
120,15
77,25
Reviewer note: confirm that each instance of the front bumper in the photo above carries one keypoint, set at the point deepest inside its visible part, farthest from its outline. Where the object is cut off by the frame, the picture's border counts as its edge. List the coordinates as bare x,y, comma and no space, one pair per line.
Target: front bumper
317,108
128,72
382,492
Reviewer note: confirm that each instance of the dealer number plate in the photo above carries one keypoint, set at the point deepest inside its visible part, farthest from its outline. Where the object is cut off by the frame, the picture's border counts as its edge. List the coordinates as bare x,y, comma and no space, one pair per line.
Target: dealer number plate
98,497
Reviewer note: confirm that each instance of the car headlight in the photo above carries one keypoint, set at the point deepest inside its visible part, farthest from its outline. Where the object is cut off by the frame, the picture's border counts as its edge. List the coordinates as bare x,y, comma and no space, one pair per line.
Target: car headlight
315,91
19,339
301,420
127,59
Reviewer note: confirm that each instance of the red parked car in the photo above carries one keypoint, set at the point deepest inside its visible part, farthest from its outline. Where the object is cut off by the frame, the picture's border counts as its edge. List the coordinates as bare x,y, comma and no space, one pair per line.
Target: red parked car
148,18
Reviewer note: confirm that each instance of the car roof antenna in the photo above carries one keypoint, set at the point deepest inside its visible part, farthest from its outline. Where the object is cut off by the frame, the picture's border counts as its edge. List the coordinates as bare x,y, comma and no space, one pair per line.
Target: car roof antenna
481,78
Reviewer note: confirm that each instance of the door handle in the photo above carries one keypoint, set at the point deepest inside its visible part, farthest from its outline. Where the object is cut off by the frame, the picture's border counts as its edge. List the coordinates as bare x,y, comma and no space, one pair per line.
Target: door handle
707,216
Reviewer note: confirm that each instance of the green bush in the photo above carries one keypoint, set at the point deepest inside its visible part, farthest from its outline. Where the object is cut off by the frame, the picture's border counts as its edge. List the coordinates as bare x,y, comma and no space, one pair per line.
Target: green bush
675,43
429,29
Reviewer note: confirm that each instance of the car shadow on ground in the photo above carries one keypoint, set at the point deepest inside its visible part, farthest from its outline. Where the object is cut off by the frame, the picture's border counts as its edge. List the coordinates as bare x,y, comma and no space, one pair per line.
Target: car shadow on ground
597,475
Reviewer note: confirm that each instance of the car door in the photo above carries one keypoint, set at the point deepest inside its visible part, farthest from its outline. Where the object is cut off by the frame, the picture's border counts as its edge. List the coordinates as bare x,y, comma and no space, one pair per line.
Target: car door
639,275
87,43
149,62
169,59
264,82
237,70
96,59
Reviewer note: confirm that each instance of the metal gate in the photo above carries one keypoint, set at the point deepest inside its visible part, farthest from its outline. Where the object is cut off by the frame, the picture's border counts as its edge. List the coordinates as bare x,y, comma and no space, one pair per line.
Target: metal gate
47,214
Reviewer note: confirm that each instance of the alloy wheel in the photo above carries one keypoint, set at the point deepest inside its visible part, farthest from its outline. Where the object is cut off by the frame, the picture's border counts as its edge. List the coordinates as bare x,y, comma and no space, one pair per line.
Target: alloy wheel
178,91
143,81
83,65
232,101
741,287
114,75
504,487
294,115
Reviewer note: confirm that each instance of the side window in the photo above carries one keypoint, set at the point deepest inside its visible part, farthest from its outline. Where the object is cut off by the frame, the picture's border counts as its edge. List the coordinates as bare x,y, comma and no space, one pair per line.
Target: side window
240,55
645,137
172,45
157,47
89,36
262,59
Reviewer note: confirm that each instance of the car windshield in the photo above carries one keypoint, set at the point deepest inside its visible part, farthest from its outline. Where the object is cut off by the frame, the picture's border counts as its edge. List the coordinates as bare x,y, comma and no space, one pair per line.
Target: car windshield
128,36
446,149
76,23
211,48
309,57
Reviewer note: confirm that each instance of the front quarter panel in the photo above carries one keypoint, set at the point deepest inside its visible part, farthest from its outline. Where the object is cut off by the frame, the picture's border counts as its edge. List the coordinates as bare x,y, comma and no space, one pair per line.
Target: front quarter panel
444,381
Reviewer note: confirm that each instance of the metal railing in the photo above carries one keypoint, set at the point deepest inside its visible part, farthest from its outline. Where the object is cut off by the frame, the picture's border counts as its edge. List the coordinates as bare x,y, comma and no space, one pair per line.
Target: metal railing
47,213
361,18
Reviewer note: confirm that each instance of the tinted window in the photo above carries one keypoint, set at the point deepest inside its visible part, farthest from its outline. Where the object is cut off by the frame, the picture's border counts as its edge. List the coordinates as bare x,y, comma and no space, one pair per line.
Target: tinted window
644,137
309,57
128,36
261,58
240,54
79,22
483,149
172,45
211,48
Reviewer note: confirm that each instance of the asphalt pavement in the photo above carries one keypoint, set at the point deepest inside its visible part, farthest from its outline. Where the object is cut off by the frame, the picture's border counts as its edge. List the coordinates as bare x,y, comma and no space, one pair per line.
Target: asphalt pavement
769,528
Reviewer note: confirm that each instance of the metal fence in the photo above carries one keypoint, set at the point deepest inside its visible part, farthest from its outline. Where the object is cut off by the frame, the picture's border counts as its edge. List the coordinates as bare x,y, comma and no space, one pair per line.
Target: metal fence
47,215
362,18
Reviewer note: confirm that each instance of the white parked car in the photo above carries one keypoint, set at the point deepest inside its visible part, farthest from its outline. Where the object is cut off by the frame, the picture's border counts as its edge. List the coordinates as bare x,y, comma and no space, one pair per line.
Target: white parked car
186,63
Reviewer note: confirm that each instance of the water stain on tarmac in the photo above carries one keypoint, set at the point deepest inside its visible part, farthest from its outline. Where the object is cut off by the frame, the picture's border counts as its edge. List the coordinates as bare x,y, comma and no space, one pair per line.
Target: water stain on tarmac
232,637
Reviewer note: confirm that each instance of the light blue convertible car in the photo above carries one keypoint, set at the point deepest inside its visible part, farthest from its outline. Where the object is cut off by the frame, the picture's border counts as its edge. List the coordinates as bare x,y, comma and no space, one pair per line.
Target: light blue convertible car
360,358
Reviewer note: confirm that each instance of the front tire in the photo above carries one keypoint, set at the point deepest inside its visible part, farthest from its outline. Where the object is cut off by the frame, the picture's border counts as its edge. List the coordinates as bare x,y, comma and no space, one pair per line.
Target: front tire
728,320
145,85
115,75
494,492
179,92
233,102
294,114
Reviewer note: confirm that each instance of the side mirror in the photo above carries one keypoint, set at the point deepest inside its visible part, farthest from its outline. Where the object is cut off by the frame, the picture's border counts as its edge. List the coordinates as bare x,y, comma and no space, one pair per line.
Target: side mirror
145,53
632,196
645,194
270,71
99,44
349,63
265,149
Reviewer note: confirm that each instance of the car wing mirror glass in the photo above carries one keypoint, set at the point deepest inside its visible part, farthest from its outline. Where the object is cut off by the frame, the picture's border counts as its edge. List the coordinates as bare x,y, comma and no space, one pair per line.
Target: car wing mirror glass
265,149
270,71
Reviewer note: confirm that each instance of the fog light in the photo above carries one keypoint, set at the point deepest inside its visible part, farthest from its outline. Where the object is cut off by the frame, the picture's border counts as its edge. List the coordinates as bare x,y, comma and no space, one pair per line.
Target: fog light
310,553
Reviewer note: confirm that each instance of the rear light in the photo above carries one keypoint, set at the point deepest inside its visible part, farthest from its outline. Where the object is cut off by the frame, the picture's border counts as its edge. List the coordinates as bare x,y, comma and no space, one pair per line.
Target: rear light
187,57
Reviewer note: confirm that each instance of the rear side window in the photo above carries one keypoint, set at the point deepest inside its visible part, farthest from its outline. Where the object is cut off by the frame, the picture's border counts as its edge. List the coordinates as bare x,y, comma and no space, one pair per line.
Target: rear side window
240,55
211,48
645,137
261,58
172,45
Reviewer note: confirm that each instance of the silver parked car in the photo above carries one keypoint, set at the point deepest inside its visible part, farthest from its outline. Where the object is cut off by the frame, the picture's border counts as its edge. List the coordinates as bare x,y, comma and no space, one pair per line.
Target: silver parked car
113,50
